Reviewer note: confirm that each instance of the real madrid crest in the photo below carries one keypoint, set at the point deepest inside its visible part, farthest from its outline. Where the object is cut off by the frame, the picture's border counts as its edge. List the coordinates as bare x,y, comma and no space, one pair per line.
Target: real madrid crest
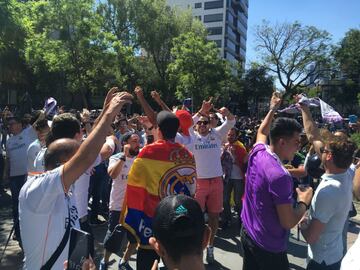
178,180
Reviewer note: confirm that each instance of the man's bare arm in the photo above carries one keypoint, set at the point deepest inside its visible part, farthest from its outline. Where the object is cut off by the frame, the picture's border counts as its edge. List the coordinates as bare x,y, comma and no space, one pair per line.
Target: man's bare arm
264,128
155,95
149,112
89,149
311,130
356,182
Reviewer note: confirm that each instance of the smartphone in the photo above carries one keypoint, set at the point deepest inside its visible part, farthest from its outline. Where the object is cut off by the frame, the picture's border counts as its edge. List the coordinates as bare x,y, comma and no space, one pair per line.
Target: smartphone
79,248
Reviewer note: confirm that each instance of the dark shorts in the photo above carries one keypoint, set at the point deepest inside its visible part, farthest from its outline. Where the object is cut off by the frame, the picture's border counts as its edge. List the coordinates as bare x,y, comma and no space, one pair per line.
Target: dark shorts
256,258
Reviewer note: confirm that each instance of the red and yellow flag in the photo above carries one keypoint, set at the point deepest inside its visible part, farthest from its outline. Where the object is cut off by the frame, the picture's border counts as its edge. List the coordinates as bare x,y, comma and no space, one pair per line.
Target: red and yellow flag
161,169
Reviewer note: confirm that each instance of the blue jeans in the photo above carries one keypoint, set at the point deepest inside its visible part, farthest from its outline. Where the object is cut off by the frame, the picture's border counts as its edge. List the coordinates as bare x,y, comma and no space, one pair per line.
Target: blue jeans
16,183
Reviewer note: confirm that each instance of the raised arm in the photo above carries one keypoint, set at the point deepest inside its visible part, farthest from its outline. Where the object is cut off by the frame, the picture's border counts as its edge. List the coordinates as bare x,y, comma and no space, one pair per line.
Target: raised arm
356,182
149,112
206,106
110,94
311,130
156,96
90,148
228,124
264,128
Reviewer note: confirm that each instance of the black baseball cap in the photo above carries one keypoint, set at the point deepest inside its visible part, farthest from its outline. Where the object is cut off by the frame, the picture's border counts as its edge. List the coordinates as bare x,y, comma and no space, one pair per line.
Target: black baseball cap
178,217
168,124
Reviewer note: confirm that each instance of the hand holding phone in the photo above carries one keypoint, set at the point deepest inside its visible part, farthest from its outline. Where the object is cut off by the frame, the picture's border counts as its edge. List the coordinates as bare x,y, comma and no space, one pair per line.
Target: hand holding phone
79,248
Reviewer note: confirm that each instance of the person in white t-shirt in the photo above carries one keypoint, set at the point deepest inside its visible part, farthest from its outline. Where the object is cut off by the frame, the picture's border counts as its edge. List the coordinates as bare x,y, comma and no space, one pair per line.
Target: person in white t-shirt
66,125
206,147
42,129
119,167
351,261
45,200
16,148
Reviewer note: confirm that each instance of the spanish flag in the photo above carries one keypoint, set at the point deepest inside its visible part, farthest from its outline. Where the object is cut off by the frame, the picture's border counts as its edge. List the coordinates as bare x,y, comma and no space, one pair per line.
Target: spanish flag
161,169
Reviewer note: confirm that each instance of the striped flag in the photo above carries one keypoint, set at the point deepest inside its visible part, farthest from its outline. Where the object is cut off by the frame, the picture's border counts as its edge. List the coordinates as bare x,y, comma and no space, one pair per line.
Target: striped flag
161,169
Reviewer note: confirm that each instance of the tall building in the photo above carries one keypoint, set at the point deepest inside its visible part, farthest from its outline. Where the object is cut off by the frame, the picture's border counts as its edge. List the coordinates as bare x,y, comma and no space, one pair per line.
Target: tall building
226,22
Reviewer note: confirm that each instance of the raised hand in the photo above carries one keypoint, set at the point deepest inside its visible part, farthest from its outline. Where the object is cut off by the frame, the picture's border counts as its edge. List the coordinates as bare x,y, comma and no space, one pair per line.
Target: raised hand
110,94
144,120
118,101
155,95
138,91
224,111
85,116
275,101
206,106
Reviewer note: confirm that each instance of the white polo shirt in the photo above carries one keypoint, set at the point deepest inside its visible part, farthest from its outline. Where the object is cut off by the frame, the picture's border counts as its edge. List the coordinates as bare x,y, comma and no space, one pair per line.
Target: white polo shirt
16,150
44,214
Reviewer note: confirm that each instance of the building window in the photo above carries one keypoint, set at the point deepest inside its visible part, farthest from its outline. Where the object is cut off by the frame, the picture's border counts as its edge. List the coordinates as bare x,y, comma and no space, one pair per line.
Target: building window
198,5
214,31
214,4
198,17
213,17
218,43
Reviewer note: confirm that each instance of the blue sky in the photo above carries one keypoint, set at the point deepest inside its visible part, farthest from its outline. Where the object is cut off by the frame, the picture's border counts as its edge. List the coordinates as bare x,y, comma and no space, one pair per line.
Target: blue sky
334,16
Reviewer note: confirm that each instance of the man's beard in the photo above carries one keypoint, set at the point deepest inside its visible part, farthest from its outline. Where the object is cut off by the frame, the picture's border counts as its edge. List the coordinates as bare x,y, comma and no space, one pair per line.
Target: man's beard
133,152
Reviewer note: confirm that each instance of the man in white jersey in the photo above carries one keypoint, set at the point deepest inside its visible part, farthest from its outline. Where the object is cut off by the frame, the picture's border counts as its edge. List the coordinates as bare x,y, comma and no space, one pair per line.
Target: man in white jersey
119,167
46,207
206,147
66,125
42,129
332,200
16,148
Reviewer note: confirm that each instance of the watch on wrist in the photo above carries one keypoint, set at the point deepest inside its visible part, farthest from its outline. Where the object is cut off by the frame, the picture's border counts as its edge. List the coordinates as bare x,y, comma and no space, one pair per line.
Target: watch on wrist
301,202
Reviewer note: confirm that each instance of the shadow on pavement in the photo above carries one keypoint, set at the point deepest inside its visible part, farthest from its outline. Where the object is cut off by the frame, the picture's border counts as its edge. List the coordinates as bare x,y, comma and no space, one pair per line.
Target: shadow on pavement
215,266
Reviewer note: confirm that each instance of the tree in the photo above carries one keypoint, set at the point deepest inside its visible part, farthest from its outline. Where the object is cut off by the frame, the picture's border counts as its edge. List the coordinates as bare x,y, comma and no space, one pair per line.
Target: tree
348,54
66,38
13,71
257,84
196,70
156,25
287,50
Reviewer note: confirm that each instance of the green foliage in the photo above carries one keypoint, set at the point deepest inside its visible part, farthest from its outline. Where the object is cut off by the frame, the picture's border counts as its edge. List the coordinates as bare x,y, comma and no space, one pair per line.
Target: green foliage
12,34
156,25
66,37
356,138
348,53
311,92
196,70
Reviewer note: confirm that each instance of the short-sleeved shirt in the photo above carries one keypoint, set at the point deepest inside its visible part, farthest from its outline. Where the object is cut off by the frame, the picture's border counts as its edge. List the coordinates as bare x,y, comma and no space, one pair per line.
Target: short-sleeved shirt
351,260
118,187
16,150
44,215
81,189
207,150
268,184
330,205
32,152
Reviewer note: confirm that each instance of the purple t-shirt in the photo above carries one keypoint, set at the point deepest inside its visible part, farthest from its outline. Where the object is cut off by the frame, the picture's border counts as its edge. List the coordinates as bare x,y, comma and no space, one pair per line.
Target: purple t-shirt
268,184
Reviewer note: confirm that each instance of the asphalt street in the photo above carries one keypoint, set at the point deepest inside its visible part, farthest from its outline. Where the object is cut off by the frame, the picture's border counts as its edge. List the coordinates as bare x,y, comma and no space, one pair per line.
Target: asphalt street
228,252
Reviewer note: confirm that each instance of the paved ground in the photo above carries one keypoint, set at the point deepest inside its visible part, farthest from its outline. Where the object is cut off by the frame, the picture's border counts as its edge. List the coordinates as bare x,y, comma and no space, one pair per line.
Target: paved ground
228,253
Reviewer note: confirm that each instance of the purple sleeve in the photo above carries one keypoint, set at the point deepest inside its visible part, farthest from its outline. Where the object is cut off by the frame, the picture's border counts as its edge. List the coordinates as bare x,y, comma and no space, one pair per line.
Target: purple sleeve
281,189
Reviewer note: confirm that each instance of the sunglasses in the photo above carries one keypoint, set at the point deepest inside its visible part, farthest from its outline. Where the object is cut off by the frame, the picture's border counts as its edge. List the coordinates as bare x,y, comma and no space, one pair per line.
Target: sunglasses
202,123
323,150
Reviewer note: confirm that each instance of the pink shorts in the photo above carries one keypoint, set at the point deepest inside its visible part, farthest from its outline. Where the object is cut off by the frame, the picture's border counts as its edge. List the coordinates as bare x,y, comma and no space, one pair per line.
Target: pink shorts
209,193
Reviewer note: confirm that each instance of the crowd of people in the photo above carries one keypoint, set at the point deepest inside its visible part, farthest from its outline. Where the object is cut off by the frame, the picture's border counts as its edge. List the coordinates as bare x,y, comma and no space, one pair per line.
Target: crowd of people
166,181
